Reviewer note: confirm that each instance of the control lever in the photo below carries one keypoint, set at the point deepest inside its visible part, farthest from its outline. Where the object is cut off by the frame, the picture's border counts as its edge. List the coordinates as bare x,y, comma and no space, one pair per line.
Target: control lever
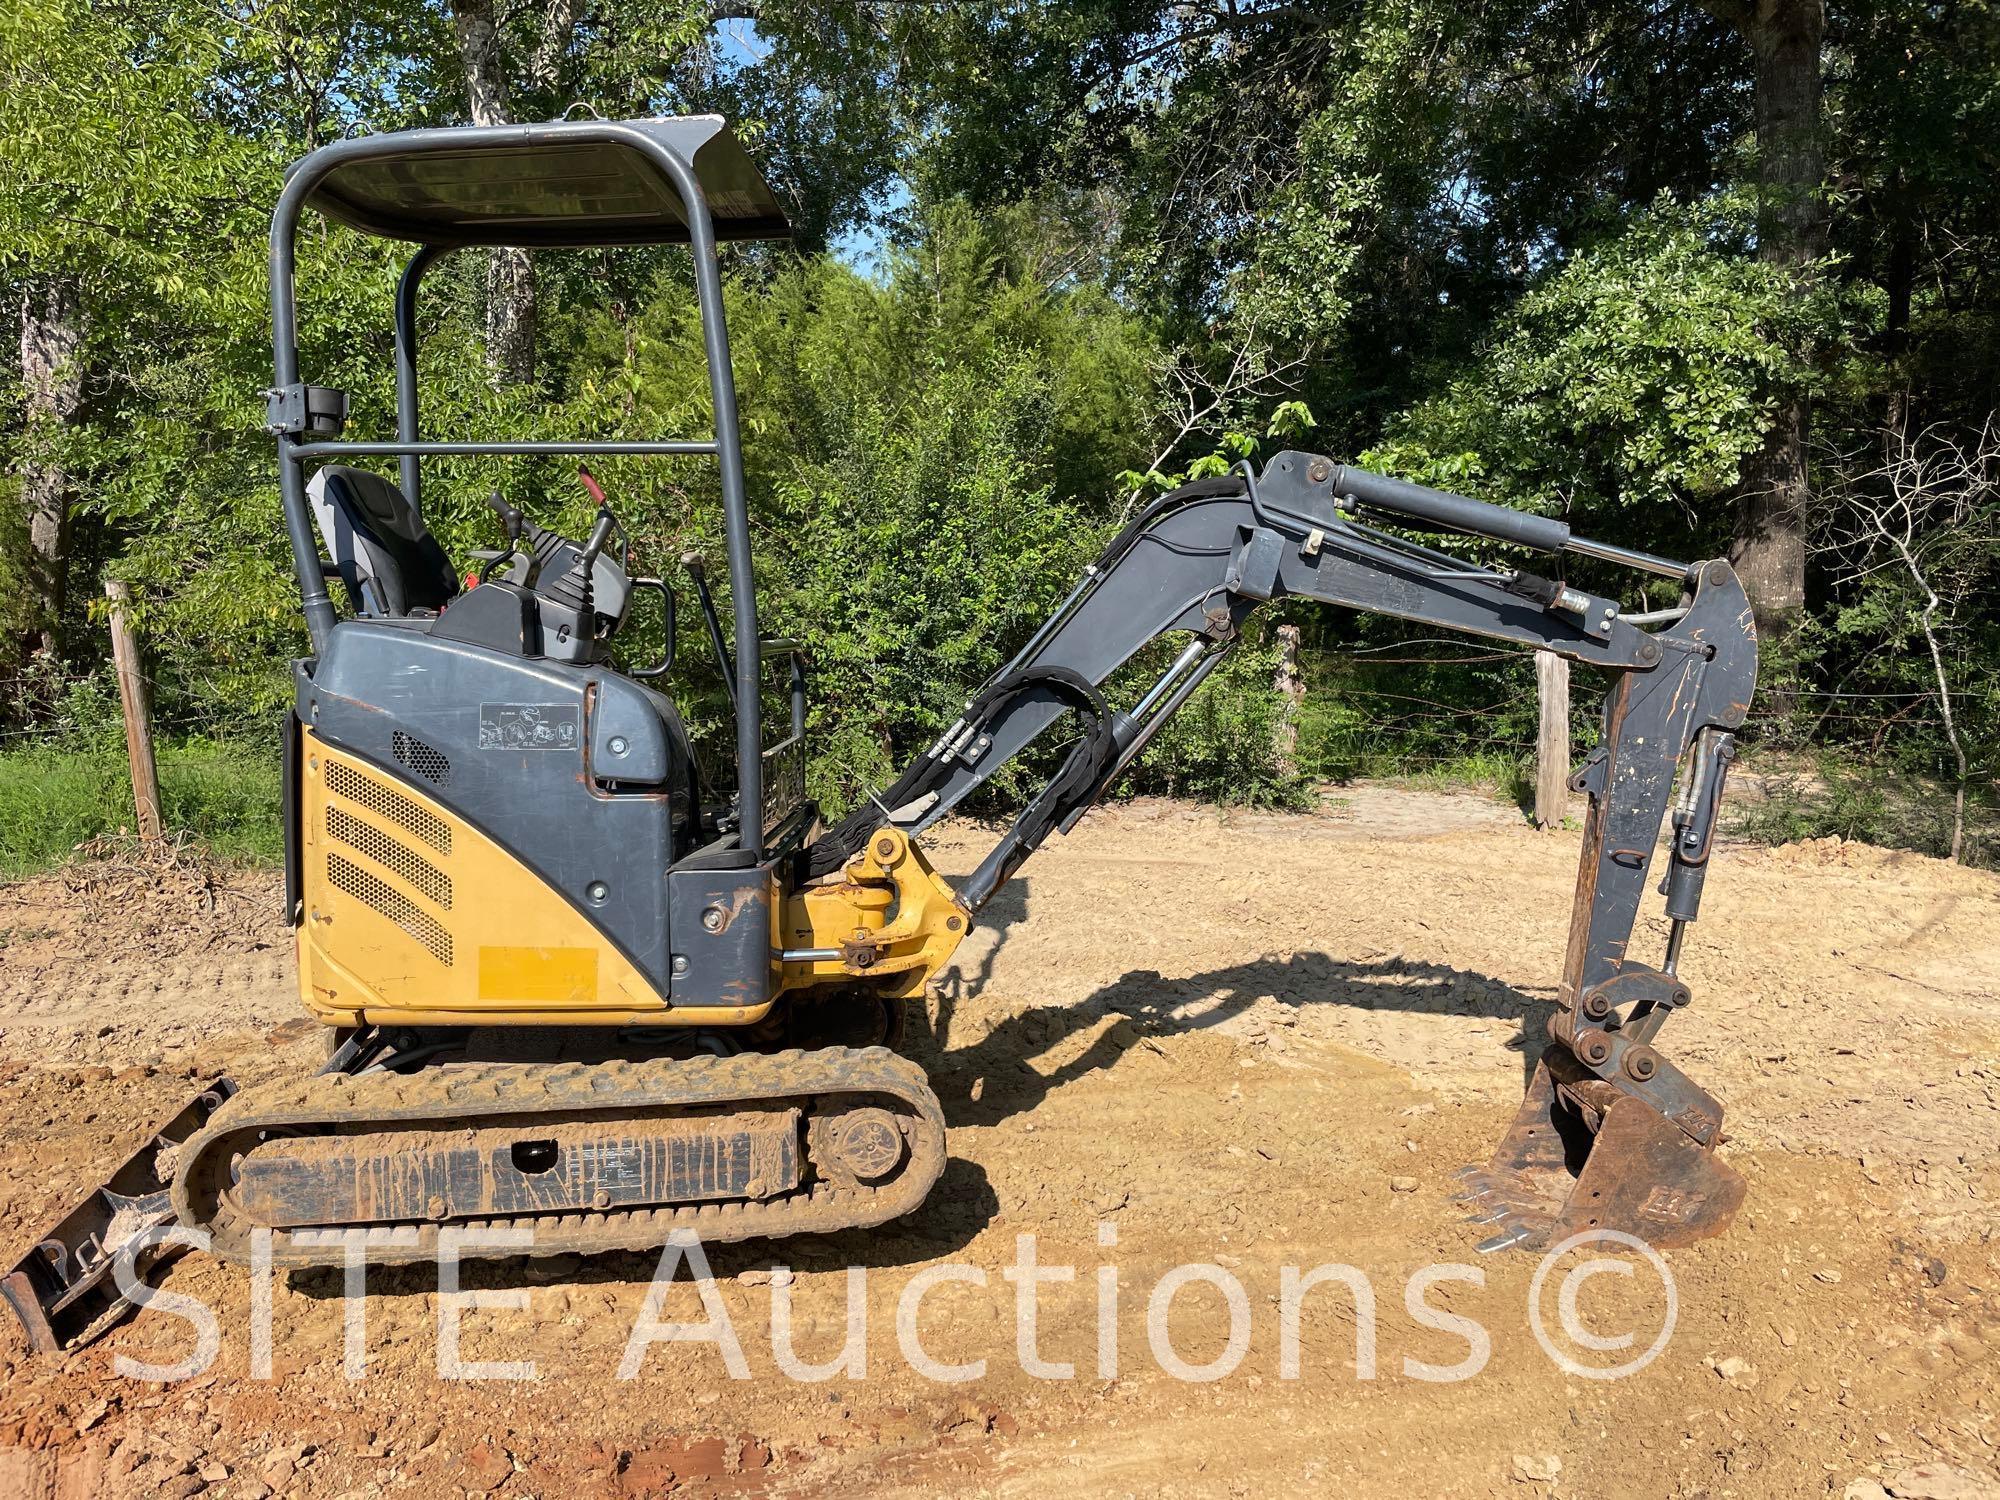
696,571
511,521
510,516
587,565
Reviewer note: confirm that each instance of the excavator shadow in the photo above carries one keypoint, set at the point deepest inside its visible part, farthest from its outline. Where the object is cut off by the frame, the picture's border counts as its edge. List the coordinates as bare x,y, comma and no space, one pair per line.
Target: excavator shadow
1007,908
1009,1084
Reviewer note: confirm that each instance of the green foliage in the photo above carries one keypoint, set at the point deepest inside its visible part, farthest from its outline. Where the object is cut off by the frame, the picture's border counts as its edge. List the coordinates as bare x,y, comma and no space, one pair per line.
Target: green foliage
1508,776
1636,376
54,798
1289,421
1397,709
928,456
148,192
1368,154
1219,747
1841,794
1372,182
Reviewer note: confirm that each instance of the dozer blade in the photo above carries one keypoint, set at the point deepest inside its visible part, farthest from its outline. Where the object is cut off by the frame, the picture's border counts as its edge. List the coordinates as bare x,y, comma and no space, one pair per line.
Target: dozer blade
1584,1153
64,1289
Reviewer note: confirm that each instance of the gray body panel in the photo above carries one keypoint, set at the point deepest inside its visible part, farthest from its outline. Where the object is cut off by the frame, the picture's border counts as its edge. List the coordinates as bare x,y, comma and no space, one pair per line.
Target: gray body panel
530,757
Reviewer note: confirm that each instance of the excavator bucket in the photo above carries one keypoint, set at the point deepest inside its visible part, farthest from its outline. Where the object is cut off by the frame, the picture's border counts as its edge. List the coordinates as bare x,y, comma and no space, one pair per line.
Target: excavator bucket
1586,1153
65,1288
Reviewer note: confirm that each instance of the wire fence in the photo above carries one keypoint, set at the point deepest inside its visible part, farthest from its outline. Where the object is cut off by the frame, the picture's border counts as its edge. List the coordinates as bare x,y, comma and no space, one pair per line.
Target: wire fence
1819,760
47,714
81,711
1840,758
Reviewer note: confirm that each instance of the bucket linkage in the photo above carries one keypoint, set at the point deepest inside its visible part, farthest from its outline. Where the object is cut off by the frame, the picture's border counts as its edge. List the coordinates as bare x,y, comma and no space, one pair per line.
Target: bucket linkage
1624,1143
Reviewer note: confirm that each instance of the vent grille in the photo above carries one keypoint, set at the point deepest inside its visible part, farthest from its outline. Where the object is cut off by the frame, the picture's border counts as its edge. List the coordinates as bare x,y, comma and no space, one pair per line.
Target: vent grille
431,764
344,781
400,860
347,876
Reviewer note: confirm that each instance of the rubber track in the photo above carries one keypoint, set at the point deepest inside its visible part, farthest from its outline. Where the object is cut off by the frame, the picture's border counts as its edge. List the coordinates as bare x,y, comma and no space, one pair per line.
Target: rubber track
453,1095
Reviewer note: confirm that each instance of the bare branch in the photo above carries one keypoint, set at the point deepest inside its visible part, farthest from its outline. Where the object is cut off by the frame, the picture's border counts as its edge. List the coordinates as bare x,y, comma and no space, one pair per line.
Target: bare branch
1192,399
1928,508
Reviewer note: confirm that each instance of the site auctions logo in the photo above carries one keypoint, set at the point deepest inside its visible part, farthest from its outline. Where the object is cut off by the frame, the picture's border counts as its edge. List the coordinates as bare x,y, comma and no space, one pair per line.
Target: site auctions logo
1580,1349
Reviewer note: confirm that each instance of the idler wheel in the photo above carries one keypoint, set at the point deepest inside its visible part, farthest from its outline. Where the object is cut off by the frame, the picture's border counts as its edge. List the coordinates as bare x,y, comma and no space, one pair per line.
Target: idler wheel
864,1145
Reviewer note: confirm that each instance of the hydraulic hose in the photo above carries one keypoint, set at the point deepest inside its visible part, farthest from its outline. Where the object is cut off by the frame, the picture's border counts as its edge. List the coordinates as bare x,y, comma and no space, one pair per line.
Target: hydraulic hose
1077,778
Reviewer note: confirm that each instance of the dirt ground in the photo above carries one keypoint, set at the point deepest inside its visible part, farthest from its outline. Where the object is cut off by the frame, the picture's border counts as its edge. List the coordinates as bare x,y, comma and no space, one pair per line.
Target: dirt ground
1246,1042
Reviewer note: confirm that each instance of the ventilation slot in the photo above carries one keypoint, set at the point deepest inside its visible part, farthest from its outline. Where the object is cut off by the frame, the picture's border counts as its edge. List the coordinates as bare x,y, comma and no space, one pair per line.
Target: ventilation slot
346,782
432,765
391,903
405,863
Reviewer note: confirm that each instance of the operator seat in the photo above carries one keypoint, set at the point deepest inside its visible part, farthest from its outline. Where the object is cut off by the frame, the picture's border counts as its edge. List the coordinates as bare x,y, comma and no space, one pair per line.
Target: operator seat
380,546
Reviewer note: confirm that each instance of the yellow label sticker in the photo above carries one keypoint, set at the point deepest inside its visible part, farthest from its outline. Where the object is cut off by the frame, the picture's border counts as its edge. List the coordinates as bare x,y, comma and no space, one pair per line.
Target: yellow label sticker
549,976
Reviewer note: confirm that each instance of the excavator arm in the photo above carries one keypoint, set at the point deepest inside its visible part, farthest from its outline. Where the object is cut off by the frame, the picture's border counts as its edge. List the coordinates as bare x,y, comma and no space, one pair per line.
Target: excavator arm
1611,1134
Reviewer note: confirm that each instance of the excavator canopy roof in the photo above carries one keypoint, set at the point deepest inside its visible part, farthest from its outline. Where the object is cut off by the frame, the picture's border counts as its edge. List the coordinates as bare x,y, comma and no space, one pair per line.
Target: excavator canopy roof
541,185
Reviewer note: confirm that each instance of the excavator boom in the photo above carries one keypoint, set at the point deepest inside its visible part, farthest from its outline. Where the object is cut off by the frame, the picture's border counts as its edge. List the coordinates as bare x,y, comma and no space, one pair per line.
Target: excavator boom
1611,1134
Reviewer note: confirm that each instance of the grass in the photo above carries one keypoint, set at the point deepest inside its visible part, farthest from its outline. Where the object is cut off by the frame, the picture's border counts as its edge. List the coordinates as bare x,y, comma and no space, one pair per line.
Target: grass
1341,737
1508,776
1826,795
54,798
1504,776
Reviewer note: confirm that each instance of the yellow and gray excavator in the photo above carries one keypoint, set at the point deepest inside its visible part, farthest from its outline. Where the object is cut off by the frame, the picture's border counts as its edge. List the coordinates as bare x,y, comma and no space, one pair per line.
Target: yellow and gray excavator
577,986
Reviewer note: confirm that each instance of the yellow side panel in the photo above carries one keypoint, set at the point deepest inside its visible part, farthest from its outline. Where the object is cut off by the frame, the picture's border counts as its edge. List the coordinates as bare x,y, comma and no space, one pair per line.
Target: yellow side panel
414,917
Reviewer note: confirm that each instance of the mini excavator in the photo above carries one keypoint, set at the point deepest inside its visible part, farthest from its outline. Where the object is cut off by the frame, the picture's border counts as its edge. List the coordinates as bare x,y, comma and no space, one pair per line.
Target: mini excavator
574,987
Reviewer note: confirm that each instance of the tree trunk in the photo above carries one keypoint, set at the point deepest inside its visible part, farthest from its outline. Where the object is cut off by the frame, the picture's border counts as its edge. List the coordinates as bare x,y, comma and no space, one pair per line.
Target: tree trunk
1769,549
558,27
52,375
510,274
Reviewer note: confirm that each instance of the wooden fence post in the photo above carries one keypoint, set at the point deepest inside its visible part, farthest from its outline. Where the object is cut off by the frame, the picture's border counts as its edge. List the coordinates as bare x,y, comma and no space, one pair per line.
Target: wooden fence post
132,698
1290,686
1552,745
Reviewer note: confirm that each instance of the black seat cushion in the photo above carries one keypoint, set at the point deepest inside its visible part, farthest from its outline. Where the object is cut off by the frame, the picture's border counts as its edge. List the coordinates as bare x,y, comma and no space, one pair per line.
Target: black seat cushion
385,554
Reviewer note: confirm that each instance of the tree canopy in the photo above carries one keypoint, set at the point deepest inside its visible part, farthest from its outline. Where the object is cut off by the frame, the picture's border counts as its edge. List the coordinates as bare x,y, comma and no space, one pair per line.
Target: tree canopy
1708,279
